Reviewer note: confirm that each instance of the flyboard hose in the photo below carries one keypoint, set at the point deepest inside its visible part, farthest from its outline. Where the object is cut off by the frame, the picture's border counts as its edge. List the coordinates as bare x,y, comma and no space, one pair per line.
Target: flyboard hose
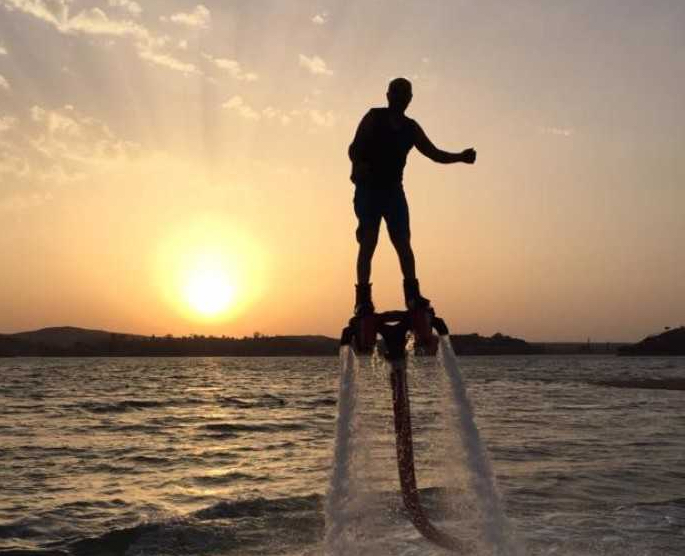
393,327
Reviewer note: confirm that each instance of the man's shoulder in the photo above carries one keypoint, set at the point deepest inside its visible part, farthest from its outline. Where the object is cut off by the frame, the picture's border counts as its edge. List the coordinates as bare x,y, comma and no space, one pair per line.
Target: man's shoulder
412,122
376,112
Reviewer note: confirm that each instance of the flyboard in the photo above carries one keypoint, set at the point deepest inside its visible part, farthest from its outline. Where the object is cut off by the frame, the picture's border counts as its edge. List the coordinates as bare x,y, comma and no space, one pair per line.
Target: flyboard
393,326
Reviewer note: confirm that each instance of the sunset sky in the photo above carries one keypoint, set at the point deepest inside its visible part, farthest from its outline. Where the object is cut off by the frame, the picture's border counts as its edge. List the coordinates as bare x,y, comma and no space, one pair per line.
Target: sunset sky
161,160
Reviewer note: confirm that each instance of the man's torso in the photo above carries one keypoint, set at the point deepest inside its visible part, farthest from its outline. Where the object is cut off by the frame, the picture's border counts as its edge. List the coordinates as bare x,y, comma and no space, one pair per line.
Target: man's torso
386,149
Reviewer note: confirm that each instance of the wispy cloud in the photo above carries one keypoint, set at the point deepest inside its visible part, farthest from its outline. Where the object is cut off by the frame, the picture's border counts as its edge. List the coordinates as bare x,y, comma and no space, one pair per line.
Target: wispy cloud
238,105
561,131
7,123
271,113
3,50
232,67
53,11
199,18
66,135
91,21
129,5
323,119
47,147
320,19
4,84
96,22
166,60
315,65
317,117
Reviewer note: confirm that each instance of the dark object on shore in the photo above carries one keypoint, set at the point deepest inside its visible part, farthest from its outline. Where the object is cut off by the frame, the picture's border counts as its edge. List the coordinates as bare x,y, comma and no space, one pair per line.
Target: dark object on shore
498,344
671,342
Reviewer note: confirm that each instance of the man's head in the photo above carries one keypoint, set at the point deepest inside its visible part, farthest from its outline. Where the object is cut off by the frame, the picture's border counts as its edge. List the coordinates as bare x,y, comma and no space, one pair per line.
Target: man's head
399,94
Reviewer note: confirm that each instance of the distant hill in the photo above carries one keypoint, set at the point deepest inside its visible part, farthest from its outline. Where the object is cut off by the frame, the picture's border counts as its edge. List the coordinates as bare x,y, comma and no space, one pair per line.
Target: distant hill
671,342
81,342
497,344
579,348
64,336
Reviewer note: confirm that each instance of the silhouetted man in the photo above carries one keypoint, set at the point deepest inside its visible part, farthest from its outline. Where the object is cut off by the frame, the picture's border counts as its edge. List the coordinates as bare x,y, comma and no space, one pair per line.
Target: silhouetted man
378,154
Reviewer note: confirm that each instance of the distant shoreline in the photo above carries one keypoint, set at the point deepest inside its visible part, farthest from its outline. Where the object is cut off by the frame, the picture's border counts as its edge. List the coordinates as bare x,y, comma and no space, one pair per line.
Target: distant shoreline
79,342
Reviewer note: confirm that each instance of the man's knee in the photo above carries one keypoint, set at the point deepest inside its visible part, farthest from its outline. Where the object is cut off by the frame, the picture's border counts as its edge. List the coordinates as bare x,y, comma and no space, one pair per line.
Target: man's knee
401,241
367,237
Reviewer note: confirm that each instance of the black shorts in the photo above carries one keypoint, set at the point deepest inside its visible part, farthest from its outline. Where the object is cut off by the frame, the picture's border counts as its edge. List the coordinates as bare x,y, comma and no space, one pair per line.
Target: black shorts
371,204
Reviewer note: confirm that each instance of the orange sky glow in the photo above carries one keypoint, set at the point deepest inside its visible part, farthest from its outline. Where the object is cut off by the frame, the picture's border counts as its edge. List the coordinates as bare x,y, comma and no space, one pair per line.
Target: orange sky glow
181,167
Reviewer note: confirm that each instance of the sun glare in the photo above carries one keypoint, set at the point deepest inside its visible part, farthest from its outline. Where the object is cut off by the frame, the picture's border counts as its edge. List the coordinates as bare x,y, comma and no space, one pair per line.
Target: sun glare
208,290
209,272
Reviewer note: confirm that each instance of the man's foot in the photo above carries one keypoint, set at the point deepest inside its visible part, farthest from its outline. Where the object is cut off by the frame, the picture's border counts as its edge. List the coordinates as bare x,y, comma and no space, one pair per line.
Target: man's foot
412,296
363,305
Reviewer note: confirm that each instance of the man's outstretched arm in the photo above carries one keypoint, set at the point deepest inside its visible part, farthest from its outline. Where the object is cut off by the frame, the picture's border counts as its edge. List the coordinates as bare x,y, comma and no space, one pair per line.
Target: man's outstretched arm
427,148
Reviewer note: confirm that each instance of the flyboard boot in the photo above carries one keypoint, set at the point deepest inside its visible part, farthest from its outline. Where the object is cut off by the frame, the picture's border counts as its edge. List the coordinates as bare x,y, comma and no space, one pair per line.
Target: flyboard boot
363,305
421,314
412,296
364,320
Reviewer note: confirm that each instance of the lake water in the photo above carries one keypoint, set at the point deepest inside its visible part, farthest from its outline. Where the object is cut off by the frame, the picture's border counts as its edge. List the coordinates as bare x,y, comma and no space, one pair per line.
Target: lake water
232,456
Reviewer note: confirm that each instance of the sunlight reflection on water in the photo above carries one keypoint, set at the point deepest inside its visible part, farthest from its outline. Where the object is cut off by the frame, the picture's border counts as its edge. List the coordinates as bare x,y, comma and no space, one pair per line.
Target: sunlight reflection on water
233,455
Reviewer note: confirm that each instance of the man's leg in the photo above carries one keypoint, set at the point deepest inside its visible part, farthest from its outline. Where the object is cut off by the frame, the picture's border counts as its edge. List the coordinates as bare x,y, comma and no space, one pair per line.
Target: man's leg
368,239
369,215
402,245
412,295
397,218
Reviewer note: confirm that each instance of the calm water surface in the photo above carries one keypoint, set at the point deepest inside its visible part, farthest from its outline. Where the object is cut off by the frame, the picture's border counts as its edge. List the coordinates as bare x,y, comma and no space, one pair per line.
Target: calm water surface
232,456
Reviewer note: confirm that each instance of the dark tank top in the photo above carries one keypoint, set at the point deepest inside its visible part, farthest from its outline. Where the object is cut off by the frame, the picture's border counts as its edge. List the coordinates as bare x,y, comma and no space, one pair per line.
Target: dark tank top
385,149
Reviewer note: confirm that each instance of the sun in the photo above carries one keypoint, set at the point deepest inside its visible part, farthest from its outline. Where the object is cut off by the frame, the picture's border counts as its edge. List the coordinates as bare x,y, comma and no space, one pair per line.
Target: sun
208,289
209,272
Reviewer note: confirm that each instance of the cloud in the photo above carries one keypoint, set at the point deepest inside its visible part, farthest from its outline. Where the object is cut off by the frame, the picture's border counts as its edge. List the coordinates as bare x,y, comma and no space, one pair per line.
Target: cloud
323,119
232,67
129,5
58,146
95,21
166,60
3,50
66,135
7,123
315,65
92,21
53,11
4,84
270,113
237,104
561,131
199,18
320,19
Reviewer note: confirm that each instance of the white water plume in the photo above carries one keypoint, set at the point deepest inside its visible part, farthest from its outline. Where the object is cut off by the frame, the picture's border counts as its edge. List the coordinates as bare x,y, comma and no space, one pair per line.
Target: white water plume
496,527
338,500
